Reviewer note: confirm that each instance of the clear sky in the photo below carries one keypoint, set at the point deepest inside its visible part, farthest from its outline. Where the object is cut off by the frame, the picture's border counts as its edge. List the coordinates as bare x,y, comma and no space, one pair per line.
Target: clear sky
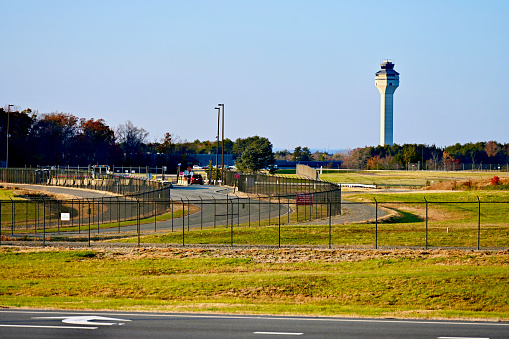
300,73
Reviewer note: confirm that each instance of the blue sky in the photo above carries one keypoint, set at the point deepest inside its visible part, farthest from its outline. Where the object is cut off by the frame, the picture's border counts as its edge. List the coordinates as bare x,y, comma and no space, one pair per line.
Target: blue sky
298,72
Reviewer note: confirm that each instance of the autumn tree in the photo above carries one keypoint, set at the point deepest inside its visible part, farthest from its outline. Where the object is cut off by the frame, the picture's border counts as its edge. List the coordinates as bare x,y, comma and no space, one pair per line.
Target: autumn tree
95,141
492,148
54,136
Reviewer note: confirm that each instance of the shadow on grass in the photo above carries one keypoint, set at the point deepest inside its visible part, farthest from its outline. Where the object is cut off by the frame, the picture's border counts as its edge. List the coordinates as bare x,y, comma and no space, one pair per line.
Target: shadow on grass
404,217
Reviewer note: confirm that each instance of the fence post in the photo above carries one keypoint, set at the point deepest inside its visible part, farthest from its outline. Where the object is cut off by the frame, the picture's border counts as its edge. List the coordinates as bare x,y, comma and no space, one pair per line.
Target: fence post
269,212
288,206
259,210
155,215
215,213
138,224
201,213
98,216
238,211
479,224
36,217
188,213
279,213
183,222
89,222
426,222
12,216
26,215
376,224
1,223
59,216
330,223
231,227
118,213
44,222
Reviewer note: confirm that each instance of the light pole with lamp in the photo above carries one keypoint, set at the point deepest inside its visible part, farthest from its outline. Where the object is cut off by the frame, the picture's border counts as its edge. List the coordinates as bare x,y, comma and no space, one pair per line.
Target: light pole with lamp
7,155
222,146
217,142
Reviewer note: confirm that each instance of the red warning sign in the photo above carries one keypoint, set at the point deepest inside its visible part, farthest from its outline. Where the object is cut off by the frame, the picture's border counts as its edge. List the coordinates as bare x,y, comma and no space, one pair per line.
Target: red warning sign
304,199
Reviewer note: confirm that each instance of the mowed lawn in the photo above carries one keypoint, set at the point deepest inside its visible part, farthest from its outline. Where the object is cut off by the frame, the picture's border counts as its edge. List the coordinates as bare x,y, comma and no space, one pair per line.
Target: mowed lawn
398,283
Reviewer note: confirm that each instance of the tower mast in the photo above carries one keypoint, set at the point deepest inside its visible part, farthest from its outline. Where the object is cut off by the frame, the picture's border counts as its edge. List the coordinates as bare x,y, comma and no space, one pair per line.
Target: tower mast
386,80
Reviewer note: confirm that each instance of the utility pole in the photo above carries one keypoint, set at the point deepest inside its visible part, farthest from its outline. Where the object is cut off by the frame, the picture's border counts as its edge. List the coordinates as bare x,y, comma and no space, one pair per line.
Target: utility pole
217,143
7,155
222,150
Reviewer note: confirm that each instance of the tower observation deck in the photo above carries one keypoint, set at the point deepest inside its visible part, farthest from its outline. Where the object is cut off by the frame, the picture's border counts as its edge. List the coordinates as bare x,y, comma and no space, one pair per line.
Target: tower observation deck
386,80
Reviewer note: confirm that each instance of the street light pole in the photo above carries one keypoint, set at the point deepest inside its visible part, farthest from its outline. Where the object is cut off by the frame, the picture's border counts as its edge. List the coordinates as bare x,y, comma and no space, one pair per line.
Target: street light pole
217,142
7,155
222,146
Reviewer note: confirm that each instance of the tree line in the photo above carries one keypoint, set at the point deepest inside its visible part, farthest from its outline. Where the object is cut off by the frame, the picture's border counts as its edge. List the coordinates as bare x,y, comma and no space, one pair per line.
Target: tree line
63,139
427,156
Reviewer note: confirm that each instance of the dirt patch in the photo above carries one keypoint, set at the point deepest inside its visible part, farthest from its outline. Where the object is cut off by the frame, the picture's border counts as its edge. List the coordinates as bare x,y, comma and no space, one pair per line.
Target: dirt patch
278,255
26,193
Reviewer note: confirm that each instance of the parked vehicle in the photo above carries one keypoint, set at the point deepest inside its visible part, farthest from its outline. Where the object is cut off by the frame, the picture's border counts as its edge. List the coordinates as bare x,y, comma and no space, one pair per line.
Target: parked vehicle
195,179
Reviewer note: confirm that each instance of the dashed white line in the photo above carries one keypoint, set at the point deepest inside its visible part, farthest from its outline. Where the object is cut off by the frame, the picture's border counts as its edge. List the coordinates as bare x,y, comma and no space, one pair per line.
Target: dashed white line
45,326
279,333
460,338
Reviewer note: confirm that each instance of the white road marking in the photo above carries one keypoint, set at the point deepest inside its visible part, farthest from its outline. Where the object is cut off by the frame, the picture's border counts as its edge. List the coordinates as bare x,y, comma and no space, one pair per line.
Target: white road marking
460,338
201,316
278,333
86,320
43,326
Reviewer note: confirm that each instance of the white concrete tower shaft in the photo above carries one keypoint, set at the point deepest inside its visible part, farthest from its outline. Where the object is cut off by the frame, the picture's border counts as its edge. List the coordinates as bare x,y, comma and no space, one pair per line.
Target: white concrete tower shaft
386,80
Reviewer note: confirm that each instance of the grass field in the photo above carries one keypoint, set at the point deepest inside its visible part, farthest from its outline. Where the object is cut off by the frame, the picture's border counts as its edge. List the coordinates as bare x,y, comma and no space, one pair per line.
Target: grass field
405,178
403,284
453,221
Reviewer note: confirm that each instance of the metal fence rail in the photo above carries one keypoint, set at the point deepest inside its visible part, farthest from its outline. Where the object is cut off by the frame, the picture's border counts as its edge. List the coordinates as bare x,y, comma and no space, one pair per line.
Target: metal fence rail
66,177
275,185
257,221
80,219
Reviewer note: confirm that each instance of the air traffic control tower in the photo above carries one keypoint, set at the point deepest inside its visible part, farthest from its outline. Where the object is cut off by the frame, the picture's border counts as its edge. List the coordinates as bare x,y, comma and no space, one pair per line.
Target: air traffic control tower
386,80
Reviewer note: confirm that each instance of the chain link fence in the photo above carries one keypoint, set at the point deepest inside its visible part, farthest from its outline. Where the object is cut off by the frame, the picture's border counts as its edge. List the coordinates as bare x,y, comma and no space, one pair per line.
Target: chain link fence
269,211
145,206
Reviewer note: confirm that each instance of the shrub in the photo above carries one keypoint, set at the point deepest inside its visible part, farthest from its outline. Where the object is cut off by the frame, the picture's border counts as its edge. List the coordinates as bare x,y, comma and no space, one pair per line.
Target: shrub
495,181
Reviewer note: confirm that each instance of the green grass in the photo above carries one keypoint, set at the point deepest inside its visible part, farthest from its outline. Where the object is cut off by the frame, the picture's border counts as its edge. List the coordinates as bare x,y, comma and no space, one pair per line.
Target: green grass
453,218
453,224
296,282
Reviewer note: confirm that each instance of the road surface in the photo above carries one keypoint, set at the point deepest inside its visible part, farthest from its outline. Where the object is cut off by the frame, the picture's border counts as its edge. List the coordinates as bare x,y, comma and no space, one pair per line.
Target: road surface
69,324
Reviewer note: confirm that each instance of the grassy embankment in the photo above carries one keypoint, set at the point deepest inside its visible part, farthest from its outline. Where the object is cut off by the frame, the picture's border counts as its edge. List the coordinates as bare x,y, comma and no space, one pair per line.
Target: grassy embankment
416,284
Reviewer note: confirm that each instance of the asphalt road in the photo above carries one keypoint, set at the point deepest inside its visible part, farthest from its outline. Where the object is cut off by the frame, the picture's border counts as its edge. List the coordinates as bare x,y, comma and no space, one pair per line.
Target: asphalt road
69,324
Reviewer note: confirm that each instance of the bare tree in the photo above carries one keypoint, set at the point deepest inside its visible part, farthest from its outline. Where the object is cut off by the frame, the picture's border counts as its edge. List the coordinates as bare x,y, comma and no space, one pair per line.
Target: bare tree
131,138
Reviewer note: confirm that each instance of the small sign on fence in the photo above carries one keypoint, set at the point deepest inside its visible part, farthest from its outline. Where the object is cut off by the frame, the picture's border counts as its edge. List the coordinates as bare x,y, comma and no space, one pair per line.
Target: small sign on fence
65,216
304,199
